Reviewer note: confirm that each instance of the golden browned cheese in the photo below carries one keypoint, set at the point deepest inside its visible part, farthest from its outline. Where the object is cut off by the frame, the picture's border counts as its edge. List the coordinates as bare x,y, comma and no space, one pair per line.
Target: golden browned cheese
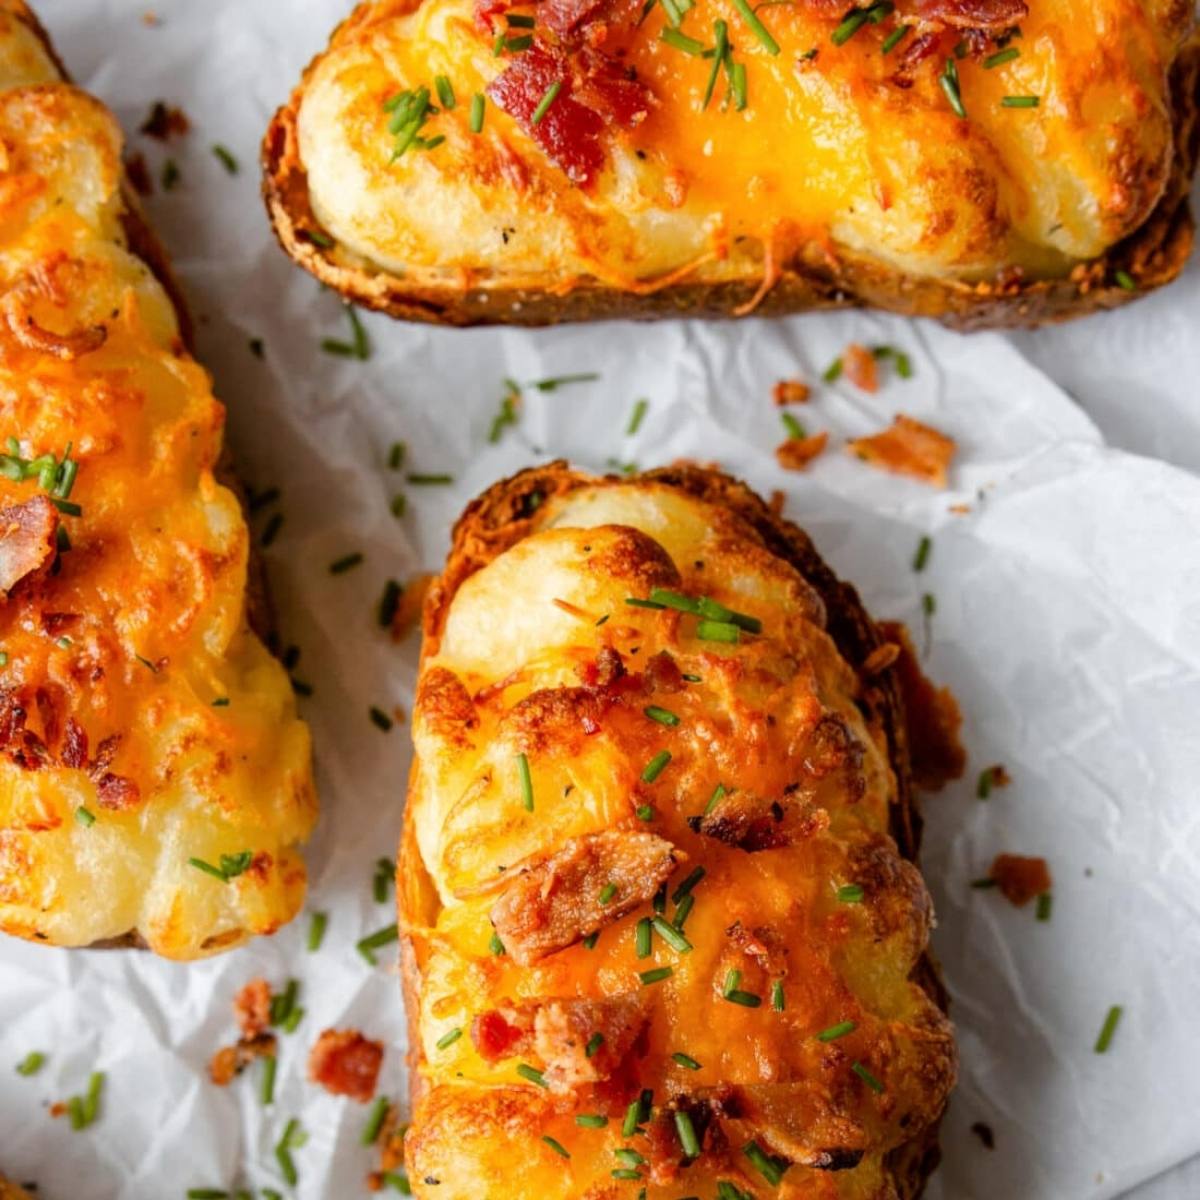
696,895
142,723
844,164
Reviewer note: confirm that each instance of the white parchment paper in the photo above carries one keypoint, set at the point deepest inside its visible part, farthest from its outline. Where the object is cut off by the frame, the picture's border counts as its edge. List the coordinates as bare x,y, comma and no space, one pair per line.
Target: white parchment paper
1067,623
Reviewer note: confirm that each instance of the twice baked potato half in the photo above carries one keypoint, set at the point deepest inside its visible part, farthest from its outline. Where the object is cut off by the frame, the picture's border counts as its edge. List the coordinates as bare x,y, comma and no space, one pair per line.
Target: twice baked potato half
661,923
155,781
992,163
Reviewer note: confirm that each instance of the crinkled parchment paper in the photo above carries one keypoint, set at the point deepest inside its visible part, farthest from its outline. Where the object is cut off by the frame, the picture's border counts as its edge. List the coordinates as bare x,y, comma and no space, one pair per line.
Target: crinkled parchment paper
1067,622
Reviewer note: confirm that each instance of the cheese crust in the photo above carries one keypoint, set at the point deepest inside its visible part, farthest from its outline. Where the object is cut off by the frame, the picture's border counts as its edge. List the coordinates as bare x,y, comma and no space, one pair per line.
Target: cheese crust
835,183
767,778
142,721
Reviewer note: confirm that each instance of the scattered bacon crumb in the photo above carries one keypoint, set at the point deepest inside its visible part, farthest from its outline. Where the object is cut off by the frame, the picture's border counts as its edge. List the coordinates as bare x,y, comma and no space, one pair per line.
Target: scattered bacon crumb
408,609
860,367
139,174
151,18
881,658
345,1063
796,453
932,717
252,1007
908,448
984,1134
391,1149
998,776
1021,879
164,122
778,500
231,1061
790,391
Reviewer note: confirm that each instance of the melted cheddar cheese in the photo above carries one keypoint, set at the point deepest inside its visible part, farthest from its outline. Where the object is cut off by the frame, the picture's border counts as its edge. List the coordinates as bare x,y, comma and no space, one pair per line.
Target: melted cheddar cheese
142,722
760,767
830,158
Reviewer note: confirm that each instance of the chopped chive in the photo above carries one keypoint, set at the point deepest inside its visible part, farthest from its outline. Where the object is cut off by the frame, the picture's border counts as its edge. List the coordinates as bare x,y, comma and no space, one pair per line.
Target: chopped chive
671,935
91,1101
526,782
318,237
867,1077
718,795
170,175
545,102
283,1004
626,1173
379,718
347,562
629,1157
688,884
682,911
375,1119
778,1000
399,504
477,103
495,945
850,893
686,1061
1001,57
718,631
208,869
833,372
659,903
372,942
683,1122
983,789
1126,281
227,160
517,44
396,454
32,1063
681,41
519,21
591,1120
266,1089
691,678
271,531
836,1031
793,427
532,1074
981,885
641,938
763,1163
394,1179
632,1116
445,91
673,11
924,546
644,812
720,53
292,1136
634,602
929,604
637,417
894,38
316,931
1108,1029
85,817
206,1194
221,702
555,1145
589,942
1045,903
656,976
756,26
554,382
949,83
448,1039
654,768
1020,101
593,1044
388,603
745,999
849,27
429,480
67,507
607,892
662,715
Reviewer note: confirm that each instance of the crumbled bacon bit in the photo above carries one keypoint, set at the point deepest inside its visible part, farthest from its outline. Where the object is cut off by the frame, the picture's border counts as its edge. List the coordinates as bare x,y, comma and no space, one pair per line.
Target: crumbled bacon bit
860,367
231,1061
880,658
984,1133
998,776
252,1007
796,453
74,751
991,16
165,121
501,1033
117,792
409,607
139,174
778,500
1021,879
908,448
790,391
32,336
346,1063
28,533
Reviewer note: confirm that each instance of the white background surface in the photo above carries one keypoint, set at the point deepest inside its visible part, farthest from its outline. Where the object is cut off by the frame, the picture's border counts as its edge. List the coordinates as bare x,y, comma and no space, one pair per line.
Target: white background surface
1068,625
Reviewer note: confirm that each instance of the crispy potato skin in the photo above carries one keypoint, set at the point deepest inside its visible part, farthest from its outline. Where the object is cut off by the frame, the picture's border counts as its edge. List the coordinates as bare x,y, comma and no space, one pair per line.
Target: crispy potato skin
116,656
514,661
959,220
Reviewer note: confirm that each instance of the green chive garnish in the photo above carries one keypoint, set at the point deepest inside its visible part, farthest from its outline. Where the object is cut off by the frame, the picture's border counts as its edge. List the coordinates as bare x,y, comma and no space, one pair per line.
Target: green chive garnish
593,1044
793,427
720,54
495,945
32,1063
849,27
589,942
1109,1028
379,718
636,417
778,1000
671,936
227,160
591,1120
445,91
929,604
718,795
718,631
683,1120
632,1116
867,1077
1020,101
554,382
526,782
545,102
745,999
629,1157
688,883
341,565
894,38
644,812
1126,281
641,938
662,715
924,546
836,1031
833,372
763,1163
686,1061
372,942
532,1074
949,82
850,893
607,892
1001,57
519,21
448,1038
681,911
85,817
292,1136
316,931
634,602
555,1145
1045,903
266,1091
375,1119
681,41
654,768
626,1173
421,480
656,976
477,103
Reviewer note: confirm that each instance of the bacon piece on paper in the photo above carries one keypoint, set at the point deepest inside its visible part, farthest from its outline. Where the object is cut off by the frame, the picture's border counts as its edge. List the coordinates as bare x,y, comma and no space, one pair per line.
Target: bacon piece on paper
345,1063
28,541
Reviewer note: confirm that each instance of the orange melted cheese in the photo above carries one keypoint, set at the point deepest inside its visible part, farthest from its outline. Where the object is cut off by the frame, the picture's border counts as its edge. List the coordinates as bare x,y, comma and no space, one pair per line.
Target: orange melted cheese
830,156
771,719
141,629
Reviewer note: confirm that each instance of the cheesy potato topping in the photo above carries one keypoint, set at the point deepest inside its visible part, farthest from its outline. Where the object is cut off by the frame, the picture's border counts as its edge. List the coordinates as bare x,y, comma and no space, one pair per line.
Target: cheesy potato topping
1064,149
658,935
142,723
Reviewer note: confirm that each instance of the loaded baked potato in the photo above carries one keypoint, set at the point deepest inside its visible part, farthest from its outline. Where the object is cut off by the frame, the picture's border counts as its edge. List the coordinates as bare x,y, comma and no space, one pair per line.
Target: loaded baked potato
661,923
155,782
987,162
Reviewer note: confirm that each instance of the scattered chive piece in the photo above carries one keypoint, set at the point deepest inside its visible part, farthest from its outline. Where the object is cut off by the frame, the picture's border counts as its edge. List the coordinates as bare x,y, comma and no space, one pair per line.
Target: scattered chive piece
715,799
3,658
718,631
429,480
671,935
283,1151
850,893
836,1031
553,382
591,1121
170,174
389,602
662,715
641,939
983,789
867,1077
85,817
833,372
448,1039
266,1091
849,27
745,999
372,942
756,26
634,602
1045,903
685,888
206,1194
659,903
632,1115
674,14
778,1000
683,1119
519,21
924,546
637,417
375,1119
1020,101
593,1044
686,1061
682,910
894,38
32,1063
341,565
981,885
379,718
318,237
681,41
629,1156
271,532
763,1163
949,82
720,54
545,102
929,604
495,945
644,812
1126,281
691,678
477,112
526,782
396,453
399,504
283,1004
517,44
208,869
626,1173
589,942
555,1145
656,976
221,702
532,1074
1108,1029
227,160
91,1101
316,931
445,91
1001,57
607,892
654,768
793,427
394,1179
